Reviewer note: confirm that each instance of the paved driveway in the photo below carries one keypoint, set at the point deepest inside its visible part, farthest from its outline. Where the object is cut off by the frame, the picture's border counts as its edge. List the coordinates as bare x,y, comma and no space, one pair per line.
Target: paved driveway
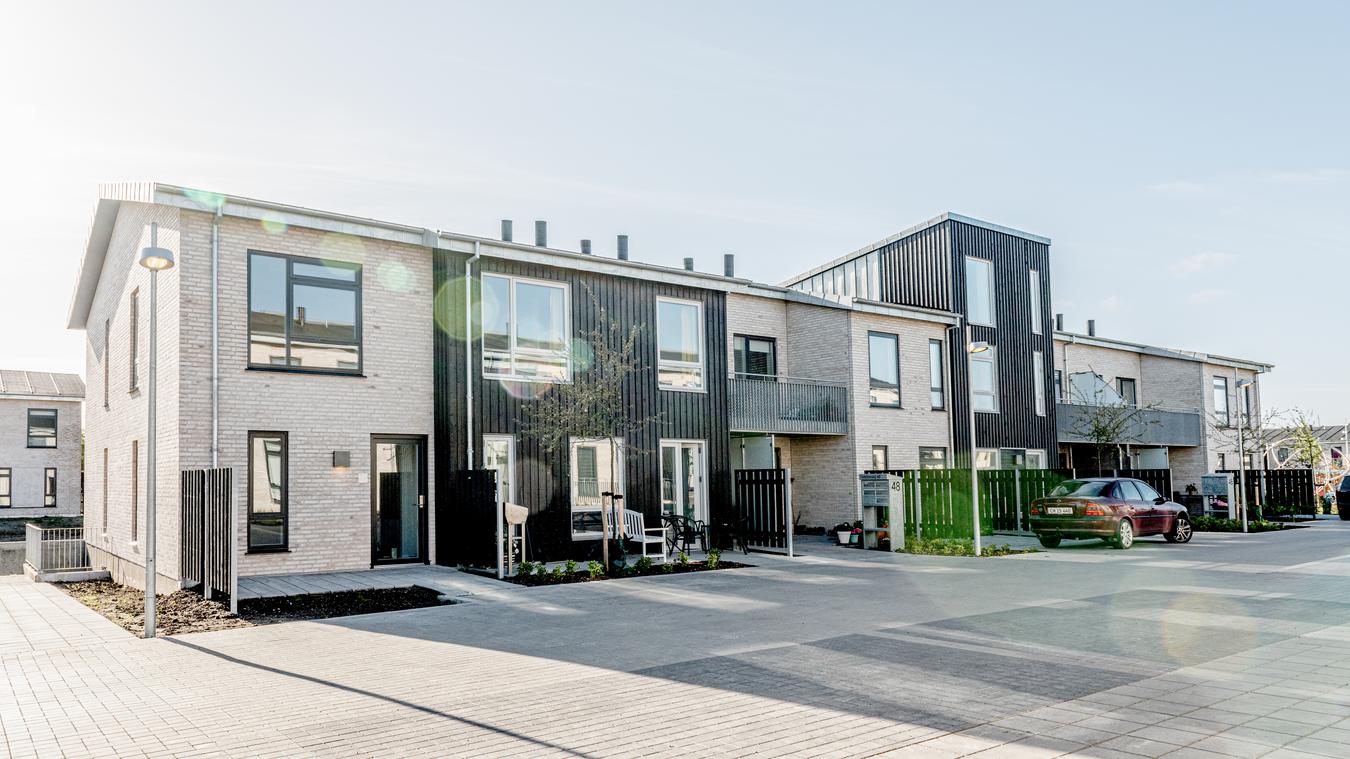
1231,646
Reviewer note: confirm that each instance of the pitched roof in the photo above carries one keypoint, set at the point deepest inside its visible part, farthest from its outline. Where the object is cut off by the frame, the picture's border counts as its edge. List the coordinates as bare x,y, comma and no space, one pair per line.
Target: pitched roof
15,383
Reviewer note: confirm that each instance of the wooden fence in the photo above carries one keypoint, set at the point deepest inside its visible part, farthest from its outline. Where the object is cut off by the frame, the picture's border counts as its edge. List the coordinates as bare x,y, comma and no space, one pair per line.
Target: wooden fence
764,500
1279,491
205,530
466,520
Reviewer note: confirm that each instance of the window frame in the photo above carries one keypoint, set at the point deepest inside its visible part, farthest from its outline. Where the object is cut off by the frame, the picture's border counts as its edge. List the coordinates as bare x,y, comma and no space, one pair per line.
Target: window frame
512,350
1217,382
989,299
56,429
899,396
1059,385
107,362
701,365
135,489
937,367
928,449
1037,327
990,356
573,482
132,339
736,350
7,495
356,286
1038,381
284,546
1036,453
49,494
885,458
1134,390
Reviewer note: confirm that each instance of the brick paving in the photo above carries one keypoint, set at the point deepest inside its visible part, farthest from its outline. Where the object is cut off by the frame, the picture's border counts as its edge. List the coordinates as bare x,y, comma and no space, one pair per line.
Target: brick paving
1156,651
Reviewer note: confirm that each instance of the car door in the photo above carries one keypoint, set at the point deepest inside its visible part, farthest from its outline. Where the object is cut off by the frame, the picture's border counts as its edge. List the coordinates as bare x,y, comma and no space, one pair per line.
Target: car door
1158,515
1135,508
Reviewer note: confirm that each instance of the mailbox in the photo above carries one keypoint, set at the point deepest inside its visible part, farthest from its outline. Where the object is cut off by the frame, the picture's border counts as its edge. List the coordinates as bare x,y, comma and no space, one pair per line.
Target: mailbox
1218,486
883,510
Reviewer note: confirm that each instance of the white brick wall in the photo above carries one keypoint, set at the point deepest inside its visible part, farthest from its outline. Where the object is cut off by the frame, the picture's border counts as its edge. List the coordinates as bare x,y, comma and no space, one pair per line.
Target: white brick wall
758,317
1108,362
28,465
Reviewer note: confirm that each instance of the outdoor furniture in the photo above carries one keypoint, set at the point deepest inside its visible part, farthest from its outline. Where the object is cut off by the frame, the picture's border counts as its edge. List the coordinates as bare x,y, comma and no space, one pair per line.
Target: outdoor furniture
732,533
636,531
681,532
513,518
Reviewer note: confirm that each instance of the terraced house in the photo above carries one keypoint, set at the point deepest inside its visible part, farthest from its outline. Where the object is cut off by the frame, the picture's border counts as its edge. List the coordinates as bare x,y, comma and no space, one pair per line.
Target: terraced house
40,443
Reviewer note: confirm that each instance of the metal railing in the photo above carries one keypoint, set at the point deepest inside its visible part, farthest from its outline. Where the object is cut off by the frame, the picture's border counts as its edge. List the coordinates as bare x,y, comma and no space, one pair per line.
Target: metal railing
55,549
768,403
1145,425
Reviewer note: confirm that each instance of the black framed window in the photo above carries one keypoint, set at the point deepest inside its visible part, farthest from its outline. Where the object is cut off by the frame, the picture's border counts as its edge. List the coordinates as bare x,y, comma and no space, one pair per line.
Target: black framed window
131,336
5,490
49,486
937,383
268,491
1128,390
304,314
107,360
103,518
754,357
41,428
135,489
881,458
883,359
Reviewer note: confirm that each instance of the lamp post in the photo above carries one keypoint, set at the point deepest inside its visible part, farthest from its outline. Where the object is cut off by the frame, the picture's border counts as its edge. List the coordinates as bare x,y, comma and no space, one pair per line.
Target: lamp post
972,348
1242,415
156,259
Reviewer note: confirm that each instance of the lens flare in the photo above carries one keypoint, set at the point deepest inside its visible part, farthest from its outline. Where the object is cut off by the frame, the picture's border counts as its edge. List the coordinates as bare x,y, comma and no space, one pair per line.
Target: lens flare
339,247
210,201
448,309
395,276
272,223
526,391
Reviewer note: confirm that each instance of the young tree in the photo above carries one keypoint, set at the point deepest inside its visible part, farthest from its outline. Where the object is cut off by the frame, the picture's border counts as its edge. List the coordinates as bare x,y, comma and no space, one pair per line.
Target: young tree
1107,421
592,405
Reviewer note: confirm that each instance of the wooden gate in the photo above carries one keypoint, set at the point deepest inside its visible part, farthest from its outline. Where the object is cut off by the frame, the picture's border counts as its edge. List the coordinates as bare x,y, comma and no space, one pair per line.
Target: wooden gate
764,500
466,520
205,561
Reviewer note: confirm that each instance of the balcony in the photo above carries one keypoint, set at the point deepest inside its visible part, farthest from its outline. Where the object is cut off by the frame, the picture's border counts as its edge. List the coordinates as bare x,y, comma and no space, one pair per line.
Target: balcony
787,405
1135,426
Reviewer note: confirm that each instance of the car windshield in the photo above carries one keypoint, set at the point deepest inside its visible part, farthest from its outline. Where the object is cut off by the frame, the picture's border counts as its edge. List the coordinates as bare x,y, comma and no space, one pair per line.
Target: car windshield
1080,488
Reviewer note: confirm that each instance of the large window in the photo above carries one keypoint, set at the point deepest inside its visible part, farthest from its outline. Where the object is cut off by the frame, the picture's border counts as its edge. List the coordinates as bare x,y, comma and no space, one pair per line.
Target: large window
984,380
1038,381
883,354
980,291
103,517
5,488
107,359
135,489
1221,401
1035,459
597,473
679,340
932,458
525,329
1128,390
754,357
937,385
268,491
49,486
304,314
132,338
41,428
1035,302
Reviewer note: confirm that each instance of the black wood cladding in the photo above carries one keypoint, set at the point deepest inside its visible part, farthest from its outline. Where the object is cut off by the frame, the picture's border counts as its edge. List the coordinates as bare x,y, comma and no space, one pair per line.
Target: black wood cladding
542,478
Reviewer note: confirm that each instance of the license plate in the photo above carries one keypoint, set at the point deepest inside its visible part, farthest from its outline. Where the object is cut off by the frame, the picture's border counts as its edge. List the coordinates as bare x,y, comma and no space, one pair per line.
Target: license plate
1059,510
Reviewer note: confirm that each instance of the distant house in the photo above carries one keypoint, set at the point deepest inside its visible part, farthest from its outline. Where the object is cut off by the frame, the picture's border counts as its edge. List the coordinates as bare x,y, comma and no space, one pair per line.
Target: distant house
40,441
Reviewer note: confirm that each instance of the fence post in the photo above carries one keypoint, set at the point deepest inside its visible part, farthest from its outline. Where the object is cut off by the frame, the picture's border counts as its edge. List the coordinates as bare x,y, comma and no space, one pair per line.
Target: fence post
1017,496
918,506
787,498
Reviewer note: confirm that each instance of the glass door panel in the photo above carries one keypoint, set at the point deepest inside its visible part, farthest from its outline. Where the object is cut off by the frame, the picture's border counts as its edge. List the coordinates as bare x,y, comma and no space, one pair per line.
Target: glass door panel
399,499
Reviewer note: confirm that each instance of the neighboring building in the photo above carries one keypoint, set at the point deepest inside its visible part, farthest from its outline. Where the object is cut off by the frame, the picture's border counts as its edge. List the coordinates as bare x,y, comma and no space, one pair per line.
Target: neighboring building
40,443
1188,404
998,281
834,386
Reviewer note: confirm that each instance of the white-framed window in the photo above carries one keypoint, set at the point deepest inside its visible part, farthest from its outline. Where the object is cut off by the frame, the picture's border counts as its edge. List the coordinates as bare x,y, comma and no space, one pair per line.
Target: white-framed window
932,458
683,487
984,380
1221,401
1035,459
679,342
986,458
1035,302
596,474
499,455
1038,367
526,324
980,291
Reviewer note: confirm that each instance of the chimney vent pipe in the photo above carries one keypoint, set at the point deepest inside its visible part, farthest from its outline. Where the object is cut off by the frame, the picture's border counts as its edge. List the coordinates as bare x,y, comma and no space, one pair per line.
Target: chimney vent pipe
541,234
586,247
729,264
506,230
623,247
688,264
1092,327
1059,322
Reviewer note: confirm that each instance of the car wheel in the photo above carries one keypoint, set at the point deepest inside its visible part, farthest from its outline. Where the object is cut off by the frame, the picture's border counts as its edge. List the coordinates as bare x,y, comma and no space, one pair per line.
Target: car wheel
1124,534
1049,542
1181,531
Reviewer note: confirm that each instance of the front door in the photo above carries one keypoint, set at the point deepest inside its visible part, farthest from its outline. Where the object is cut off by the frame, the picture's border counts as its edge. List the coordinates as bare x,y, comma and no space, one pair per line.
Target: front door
398,494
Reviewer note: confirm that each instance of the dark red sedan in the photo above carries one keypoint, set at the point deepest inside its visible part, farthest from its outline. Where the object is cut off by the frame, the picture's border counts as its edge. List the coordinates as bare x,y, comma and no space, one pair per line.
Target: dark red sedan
1117,510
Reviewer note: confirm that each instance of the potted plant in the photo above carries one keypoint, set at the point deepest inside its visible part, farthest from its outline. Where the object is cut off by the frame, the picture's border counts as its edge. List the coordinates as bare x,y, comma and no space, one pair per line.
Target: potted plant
843,532
855,537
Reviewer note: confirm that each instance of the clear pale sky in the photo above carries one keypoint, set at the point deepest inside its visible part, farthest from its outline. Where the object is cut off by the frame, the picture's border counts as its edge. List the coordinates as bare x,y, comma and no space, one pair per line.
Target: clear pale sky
1189,160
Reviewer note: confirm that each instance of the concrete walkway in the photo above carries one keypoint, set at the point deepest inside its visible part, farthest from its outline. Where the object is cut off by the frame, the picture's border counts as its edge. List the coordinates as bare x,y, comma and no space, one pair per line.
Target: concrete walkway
445,579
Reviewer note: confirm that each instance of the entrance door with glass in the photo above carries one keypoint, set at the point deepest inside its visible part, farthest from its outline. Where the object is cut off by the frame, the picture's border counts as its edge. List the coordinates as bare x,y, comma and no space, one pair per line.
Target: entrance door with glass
499,455
398,495
682,486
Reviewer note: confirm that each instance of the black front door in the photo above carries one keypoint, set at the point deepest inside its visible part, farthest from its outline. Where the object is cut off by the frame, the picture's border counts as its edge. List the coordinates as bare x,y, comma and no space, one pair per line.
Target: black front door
398,494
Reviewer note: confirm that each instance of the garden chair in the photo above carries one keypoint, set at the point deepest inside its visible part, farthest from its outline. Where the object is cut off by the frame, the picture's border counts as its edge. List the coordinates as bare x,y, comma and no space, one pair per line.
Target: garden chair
683,531
635,530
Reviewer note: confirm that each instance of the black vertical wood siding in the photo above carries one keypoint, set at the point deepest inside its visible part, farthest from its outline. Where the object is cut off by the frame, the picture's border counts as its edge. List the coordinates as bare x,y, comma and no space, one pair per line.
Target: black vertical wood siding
542,480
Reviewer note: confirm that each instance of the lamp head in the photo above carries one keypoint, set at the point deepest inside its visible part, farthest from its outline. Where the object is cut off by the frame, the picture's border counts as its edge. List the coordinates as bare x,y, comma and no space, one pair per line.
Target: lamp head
977,346
156,259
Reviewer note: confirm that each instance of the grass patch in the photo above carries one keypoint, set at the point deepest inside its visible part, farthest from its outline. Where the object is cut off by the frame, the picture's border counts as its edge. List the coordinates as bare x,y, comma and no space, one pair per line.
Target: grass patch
1219,524
958,547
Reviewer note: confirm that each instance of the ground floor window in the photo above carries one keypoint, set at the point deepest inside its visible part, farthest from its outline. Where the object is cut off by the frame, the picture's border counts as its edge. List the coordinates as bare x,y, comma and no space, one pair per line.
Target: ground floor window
682,479
268,491
932,458
596,475
49,486
5,501
1035,459
880,458
986,458
499,455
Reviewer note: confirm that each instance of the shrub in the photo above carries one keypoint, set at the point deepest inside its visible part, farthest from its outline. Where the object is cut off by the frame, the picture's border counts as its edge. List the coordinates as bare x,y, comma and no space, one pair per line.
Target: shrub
557,574
525,569
667,567
714,556
1203,523
644,564
957,547
595,569
571,567
682,559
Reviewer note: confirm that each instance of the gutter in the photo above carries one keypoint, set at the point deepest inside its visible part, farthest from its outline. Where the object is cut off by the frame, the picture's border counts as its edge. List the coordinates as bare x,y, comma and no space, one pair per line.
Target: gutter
215,338
468,351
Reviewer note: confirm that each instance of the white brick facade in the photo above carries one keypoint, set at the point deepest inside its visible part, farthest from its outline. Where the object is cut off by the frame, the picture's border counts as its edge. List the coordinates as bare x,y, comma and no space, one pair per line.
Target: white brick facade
27,466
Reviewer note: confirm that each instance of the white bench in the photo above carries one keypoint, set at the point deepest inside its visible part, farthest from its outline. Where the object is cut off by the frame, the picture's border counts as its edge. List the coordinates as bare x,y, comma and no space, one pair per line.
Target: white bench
635,530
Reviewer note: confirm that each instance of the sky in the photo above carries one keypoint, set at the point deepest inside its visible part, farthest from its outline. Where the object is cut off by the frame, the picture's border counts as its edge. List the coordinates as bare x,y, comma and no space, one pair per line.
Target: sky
1189,161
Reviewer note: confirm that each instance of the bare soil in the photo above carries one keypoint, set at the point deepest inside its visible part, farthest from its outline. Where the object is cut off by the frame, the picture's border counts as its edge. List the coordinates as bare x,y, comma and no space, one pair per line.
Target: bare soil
184,611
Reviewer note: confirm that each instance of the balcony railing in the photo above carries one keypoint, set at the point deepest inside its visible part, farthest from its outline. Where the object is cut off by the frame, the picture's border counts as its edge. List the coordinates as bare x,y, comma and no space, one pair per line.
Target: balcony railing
787,405
1142,426
55,549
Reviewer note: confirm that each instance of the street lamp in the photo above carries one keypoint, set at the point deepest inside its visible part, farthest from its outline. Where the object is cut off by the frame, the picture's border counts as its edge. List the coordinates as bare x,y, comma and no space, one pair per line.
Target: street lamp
973,347
156,259
1242,386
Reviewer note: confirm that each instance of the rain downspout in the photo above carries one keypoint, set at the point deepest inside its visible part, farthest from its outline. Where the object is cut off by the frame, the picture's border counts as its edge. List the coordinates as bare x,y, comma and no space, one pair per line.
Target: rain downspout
215,337
468,350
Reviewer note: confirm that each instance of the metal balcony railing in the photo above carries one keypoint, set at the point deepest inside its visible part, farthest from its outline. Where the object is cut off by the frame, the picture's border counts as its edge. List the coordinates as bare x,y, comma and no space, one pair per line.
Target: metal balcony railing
787,405
1142,426
55,549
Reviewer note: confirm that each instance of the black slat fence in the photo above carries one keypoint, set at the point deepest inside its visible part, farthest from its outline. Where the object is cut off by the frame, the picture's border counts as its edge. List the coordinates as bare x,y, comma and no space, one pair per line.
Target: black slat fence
764,500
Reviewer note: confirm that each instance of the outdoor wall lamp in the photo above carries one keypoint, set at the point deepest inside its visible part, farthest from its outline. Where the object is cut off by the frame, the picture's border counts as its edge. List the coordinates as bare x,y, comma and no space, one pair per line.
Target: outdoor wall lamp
342,459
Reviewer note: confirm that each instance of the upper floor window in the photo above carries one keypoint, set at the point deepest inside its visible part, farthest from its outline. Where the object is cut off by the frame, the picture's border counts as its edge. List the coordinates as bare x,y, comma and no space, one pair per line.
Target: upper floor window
937,386
107,359
1035,302
1038,381
883,358
679,342
304,314
41,428
132,337
1221,401
526,325
984,380
1247,406
5,501
1128,390
754,357
980,291
1059,385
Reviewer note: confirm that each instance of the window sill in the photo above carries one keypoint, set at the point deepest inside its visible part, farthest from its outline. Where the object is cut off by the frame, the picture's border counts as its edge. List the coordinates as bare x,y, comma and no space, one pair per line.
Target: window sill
41,447
682,389
267,550
526,380
986,411
301,370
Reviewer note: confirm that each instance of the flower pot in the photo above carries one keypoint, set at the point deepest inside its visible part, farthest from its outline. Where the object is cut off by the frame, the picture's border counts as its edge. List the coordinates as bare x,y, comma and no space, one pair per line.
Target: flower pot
844,536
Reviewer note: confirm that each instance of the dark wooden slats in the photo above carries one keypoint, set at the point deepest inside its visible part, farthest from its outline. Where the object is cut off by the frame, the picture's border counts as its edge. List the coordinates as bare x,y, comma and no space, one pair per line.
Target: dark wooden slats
466,519
763,498
1279,488
205,529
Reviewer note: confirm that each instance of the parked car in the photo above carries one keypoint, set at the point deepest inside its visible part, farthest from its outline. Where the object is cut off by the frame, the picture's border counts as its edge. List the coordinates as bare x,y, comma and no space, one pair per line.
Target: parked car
1343,498
1117,510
